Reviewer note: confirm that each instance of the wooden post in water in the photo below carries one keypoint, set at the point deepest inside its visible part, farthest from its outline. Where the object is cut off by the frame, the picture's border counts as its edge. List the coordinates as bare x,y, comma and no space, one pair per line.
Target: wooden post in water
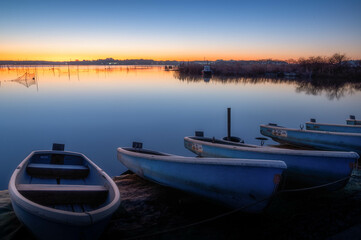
229,124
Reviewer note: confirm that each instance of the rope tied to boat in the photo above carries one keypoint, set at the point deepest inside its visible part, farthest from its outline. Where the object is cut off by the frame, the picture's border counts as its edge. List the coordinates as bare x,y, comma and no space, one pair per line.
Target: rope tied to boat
238,209
314,187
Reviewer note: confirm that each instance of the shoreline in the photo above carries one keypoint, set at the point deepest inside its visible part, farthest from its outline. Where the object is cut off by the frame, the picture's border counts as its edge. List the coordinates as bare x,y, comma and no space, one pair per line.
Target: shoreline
147,209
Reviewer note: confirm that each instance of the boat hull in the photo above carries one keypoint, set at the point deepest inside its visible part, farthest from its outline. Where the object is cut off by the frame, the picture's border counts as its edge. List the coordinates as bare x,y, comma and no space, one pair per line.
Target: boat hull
42,228
336,141
304,168
235,183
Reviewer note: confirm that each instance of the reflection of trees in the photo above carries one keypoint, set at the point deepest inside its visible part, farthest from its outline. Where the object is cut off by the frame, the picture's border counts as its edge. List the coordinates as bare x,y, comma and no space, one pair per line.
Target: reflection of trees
230,79
334,89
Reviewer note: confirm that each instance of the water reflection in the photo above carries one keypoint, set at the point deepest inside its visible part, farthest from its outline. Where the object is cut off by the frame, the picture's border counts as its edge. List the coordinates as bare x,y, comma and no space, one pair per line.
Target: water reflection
29,76
32,75
333,89
95,109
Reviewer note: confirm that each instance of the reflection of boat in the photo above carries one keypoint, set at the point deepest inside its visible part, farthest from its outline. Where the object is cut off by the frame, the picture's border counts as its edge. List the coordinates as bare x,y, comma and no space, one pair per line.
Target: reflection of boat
207,72
206,79
353,121
304,167
62,195
341,141
312,125
234,182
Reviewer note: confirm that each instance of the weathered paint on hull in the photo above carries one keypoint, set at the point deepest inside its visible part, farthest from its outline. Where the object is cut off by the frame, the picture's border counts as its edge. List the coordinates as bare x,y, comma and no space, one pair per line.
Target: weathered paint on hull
304,167
333,127
221,180
316,139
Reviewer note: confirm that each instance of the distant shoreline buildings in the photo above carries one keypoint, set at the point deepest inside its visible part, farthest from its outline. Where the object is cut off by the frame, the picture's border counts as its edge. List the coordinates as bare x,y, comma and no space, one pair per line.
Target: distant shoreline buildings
107,61
111,61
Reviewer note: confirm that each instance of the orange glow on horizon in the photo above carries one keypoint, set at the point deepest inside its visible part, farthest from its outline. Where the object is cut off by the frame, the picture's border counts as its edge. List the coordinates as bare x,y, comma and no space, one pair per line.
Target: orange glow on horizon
13,53
161,56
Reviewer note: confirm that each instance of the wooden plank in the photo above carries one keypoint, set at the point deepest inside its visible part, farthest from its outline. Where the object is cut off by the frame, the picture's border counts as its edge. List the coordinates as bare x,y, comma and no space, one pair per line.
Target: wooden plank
57,171
56,166
61,187
53,194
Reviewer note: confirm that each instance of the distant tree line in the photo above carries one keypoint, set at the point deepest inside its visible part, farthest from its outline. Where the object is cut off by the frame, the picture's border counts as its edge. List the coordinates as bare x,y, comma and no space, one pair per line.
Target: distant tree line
338,65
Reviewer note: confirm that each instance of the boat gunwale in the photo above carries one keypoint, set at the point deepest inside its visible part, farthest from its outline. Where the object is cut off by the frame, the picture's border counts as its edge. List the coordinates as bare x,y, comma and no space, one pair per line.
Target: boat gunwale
272,150
313,131
57,215
331,124
206,161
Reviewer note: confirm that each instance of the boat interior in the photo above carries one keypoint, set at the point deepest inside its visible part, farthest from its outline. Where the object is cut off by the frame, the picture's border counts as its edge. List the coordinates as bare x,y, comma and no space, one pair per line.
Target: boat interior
63,181
219,141
145,151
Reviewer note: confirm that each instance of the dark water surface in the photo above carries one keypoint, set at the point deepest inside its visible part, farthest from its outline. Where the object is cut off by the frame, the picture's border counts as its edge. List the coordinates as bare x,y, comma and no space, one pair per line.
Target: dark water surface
95,109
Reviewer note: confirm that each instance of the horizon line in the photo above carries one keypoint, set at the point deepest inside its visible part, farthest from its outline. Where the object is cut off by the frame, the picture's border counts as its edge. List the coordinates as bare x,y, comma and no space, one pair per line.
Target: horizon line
167,60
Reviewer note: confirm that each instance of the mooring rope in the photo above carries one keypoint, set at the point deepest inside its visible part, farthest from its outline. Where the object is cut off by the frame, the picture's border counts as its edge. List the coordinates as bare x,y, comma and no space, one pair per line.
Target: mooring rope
236,210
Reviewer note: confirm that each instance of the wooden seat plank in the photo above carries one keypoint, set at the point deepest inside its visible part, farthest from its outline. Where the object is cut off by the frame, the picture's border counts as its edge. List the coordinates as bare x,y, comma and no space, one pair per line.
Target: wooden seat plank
42,170
52,194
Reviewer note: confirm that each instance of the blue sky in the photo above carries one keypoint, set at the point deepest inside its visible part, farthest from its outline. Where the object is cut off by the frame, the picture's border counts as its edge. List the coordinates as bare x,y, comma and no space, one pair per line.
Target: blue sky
179,29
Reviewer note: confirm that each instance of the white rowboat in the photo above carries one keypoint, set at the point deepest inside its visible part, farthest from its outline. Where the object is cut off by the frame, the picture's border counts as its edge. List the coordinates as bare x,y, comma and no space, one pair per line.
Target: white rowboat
238,183
62,195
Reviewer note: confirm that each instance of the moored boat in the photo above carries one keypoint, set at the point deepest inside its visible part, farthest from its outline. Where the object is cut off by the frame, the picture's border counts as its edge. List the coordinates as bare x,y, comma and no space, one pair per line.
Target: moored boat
239,183
324,140
207,71
304,167
62,195
313,125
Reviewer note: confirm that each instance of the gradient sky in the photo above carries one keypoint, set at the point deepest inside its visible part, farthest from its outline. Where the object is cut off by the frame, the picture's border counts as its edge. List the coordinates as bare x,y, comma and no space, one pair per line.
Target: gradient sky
179,30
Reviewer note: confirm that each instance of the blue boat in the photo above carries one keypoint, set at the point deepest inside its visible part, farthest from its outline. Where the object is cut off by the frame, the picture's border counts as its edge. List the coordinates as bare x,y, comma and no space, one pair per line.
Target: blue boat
304,167
62,195
338,141
313,125
238,183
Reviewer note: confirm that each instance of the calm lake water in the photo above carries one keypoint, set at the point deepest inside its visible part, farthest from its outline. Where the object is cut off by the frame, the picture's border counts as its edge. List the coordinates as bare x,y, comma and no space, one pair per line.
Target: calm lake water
95,109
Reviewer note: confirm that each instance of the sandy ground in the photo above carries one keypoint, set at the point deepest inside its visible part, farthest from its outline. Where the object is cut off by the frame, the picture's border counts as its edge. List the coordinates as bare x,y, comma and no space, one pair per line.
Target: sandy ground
150,211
